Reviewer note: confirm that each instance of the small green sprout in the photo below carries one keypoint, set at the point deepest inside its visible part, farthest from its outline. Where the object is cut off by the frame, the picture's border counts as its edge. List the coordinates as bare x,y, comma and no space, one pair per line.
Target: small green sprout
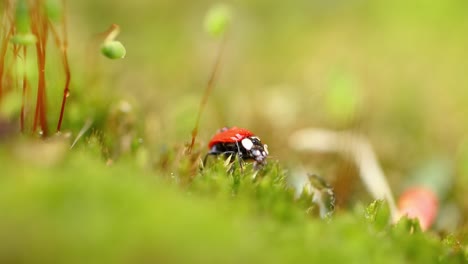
217,20
113,49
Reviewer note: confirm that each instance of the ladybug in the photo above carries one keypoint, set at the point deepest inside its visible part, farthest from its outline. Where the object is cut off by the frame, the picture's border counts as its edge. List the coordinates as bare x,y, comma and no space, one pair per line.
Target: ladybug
239,142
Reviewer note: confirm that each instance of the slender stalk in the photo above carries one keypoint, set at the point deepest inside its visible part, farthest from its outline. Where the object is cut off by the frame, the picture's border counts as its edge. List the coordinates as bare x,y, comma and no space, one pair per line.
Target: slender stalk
35,31
64,48
43,103
25,88
208,89
112,32
40,117
3,50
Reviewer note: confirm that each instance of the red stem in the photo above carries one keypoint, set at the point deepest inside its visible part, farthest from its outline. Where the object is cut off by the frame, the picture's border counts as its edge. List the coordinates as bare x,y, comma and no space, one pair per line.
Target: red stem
3,51
40,113
66,90
25,87
66,66
208,89
43,105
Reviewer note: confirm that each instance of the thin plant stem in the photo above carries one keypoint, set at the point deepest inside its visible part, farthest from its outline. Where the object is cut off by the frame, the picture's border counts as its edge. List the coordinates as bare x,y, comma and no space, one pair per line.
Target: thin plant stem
208,89
63,45
3,51
40,117
25,88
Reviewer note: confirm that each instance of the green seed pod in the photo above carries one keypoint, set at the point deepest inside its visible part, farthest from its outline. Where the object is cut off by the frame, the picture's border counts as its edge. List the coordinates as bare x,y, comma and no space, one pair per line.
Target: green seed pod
113,49
218,19
24,39
22,21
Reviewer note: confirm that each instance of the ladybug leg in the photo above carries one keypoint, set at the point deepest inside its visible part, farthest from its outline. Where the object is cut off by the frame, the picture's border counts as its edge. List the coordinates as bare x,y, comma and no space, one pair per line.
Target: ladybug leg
239,157
211,153
205,159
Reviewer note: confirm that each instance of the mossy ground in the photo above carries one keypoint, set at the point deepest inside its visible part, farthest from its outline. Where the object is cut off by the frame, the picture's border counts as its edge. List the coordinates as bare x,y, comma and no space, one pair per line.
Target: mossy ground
78,210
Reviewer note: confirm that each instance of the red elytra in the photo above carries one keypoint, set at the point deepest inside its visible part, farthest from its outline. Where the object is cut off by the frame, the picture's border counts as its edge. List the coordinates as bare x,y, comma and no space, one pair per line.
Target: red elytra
230,135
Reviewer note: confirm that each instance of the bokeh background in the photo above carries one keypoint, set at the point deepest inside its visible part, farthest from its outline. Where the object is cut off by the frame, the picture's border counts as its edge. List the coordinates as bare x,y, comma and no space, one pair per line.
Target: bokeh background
394,71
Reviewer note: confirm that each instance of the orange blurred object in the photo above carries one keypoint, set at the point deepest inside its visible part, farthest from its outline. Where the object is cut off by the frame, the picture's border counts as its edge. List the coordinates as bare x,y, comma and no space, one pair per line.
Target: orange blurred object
420,203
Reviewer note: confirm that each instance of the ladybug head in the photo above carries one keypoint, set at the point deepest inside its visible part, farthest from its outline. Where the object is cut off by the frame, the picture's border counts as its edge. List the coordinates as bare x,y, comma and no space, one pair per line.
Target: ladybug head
255,150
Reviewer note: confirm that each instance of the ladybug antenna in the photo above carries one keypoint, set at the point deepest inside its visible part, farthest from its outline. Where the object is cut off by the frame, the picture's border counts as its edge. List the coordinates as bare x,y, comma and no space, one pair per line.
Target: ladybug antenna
217,21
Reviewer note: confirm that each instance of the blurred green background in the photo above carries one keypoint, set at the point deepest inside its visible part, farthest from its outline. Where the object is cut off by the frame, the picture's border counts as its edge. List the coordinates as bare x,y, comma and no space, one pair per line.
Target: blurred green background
404,62
394,71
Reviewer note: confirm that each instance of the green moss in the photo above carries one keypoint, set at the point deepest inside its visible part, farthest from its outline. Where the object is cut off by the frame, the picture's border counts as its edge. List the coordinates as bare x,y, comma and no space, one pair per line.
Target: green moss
80,210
